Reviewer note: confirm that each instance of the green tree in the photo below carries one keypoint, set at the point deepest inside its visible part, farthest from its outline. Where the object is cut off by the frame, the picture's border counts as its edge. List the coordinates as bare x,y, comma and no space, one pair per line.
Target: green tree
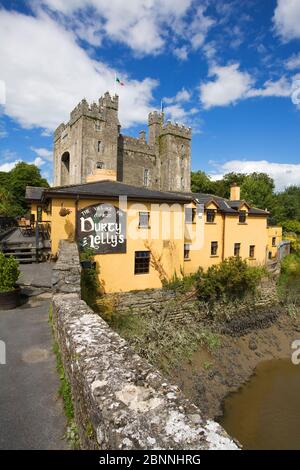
23,175
8,206
258,190
201,182
287,205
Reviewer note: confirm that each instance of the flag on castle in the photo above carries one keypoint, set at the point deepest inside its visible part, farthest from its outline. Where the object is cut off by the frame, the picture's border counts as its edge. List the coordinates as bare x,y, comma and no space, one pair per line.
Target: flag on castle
119,81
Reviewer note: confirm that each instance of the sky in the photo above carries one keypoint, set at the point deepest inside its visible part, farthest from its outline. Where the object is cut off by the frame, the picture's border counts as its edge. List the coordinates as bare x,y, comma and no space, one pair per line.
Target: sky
230,69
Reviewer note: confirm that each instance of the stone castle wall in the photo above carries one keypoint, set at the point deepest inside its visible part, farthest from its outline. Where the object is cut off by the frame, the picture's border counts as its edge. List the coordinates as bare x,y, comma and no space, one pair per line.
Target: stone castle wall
120,401
92,137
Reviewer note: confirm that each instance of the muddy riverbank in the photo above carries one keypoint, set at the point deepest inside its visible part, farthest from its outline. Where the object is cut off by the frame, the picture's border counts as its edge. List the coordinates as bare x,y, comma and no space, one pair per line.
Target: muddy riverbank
209,376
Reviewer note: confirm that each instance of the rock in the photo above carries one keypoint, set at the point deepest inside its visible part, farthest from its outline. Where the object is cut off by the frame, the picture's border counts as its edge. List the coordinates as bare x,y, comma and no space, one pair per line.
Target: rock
252,344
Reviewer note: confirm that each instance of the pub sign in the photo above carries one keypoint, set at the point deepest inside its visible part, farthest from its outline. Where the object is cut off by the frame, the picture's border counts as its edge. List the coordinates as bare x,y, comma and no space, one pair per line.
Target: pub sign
102,228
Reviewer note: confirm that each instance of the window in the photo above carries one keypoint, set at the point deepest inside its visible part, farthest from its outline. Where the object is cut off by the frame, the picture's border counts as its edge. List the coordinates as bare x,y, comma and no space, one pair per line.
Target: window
273,241
100,165
97,126
237,249
214,248
187,249
146,177
270,255
144,219
251,251
142,262
242,217
99,145
190,215
210,216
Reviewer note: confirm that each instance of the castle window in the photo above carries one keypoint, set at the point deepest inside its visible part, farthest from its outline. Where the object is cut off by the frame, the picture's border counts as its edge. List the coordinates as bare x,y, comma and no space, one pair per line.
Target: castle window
237,250
144,219
187,249
99,145
273,241
242,217
100,165
182,183
146,177
65,168
251,251
141,262
210,216
214,248
190,215
182,151
97,125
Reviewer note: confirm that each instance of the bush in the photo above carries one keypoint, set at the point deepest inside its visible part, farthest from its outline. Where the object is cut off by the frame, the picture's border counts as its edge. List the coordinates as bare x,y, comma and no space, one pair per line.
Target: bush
9,273
289,280
230,280
90,286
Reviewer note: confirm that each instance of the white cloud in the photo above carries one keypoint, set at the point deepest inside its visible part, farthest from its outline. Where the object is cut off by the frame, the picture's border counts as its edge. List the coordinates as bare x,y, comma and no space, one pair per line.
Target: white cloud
181,52
43,153
38,162
228,86
2,93
284,174
47,74
143,25
8,166
287,19
231,85
199,27
281,87
293,62
181,96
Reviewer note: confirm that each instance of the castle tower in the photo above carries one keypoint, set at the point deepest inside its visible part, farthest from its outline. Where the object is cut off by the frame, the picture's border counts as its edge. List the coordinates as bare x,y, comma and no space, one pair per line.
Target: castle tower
88,142
175,157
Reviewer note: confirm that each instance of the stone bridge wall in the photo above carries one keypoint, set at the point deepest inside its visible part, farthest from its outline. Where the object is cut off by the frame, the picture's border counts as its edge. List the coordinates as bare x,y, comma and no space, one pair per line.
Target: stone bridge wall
120,401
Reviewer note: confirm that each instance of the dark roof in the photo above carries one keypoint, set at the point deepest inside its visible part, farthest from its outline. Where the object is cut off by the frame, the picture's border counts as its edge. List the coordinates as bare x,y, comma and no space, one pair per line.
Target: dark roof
225,205
34,193
114,189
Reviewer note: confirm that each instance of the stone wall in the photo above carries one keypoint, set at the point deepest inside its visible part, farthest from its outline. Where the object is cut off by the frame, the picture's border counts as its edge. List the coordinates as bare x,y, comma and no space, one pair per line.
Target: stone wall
151,301
120,401
66,275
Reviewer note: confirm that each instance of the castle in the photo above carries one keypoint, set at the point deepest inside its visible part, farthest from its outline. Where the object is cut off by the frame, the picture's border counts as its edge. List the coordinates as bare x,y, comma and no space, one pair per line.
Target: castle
91,147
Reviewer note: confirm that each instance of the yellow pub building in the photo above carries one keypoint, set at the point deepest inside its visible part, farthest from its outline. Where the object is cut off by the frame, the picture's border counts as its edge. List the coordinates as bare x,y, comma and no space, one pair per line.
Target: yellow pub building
142,237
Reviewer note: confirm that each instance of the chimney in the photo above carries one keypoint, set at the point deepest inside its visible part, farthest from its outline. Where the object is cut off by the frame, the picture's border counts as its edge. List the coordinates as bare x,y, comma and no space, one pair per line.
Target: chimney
235,192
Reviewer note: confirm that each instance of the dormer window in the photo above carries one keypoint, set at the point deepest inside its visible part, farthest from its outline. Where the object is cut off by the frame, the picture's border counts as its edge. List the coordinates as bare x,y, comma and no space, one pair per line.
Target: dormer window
242,217
210,216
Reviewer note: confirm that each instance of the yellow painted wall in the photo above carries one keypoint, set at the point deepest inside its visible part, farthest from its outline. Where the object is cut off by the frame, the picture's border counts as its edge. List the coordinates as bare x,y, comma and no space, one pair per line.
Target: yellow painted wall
166,245
274,232
45,216
117,270
253,232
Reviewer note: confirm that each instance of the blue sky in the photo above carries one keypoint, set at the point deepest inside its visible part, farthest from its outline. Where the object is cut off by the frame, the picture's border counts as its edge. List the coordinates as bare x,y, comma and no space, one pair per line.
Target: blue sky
229,69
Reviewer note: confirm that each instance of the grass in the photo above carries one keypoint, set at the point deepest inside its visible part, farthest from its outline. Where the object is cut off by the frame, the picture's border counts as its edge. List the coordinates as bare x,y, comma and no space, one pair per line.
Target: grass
65,393
163,342
289,280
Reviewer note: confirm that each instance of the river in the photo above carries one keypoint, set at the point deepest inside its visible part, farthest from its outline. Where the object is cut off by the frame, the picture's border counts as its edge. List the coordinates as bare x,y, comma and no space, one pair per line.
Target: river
265,412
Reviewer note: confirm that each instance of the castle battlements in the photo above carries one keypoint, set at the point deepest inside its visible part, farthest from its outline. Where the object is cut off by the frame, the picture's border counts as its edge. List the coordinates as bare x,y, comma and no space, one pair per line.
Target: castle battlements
155,117
176,129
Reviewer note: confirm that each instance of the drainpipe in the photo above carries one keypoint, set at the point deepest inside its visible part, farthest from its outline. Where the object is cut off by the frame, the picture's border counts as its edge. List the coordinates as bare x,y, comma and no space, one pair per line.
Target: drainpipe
223,238
76,217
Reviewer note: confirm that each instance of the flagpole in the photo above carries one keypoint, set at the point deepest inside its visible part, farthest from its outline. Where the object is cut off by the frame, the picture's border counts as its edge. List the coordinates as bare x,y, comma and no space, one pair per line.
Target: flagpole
115,85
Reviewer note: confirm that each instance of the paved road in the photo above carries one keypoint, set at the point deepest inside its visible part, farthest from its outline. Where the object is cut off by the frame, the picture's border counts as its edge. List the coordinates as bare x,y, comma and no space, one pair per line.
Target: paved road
31,415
